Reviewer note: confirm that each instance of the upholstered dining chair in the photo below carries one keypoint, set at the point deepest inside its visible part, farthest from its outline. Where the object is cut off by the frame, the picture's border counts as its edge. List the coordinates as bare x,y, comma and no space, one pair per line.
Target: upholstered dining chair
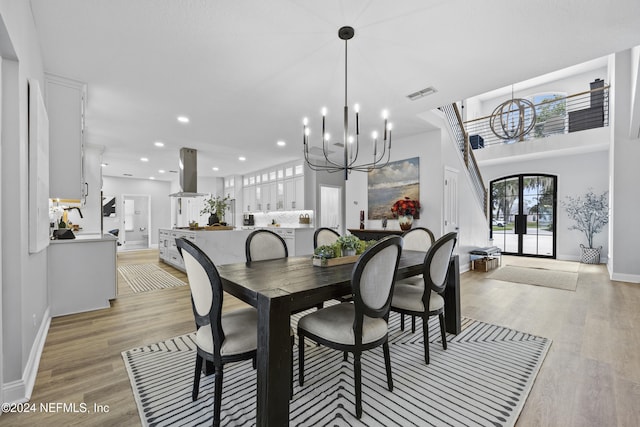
361,325
324,236
415,239
220,338
426,299
263,245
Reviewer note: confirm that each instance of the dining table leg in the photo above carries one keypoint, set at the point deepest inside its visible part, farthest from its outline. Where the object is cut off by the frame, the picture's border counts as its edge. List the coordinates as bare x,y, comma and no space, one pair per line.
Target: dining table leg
274,359
452,315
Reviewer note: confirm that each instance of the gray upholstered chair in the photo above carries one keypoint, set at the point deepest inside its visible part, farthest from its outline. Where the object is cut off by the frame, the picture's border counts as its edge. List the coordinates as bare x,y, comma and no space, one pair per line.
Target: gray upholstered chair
324,236
361,325
426,300
220,338
416,239
263,245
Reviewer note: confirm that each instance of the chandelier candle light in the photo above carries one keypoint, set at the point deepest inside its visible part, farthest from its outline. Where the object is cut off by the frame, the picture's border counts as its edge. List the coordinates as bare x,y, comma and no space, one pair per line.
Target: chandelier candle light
381,151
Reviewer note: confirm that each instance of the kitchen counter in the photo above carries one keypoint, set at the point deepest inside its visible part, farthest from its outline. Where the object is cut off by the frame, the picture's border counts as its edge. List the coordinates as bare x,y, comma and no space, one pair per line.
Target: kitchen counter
89,237
228,246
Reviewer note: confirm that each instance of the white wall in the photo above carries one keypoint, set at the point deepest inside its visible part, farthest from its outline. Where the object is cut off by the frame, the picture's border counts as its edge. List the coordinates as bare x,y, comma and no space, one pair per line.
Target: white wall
625,154
436,152
24,276
160,202
576,174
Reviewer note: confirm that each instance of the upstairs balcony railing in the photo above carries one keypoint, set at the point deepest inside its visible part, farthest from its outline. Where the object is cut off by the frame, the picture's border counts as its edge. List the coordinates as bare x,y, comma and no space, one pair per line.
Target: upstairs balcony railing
556,115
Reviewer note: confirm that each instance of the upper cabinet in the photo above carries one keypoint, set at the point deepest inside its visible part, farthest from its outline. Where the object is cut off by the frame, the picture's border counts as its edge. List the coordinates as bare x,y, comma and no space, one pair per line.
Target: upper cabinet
280,188
66,100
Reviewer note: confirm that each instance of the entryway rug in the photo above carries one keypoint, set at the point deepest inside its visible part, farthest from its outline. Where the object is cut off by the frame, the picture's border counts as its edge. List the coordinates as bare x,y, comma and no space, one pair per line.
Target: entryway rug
482,379
148,277
558,279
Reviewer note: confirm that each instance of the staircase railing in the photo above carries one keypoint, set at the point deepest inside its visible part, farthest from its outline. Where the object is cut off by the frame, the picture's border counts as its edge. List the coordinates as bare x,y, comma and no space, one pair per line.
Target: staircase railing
452,113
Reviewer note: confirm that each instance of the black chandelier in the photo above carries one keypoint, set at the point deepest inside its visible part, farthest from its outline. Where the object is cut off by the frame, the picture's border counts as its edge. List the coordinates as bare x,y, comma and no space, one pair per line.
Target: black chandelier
350,143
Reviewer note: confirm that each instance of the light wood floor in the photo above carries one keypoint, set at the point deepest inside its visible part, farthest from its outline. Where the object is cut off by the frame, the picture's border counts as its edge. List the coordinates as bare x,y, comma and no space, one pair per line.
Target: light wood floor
590,377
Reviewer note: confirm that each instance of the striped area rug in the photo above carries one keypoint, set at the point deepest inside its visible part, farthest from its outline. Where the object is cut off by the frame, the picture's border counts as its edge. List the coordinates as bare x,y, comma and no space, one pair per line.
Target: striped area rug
482,379
148,277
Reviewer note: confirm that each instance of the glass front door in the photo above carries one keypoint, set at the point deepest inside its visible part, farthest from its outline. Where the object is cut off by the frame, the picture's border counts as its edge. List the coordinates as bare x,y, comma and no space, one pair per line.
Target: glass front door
523,211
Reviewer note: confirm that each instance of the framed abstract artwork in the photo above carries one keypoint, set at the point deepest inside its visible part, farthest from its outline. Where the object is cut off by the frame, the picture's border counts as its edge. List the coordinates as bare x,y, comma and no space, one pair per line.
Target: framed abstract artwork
395,181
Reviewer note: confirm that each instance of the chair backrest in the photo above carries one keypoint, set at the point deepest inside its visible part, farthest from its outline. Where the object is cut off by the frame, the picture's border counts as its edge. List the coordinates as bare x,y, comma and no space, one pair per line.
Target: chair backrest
205,286
373,277
436,263
417,239
265,244
324,236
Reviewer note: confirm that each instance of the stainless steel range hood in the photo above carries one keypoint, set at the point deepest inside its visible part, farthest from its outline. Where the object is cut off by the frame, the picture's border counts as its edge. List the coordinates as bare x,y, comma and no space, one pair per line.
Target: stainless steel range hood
188,174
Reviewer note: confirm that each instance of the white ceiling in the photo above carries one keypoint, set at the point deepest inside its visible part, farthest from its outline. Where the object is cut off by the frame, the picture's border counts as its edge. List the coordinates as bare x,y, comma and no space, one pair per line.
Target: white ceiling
247,72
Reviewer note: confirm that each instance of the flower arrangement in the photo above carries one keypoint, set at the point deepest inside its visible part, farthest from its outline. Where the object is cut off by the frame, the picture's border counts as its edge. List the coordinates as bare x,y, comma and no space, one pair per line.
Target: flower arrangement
406,206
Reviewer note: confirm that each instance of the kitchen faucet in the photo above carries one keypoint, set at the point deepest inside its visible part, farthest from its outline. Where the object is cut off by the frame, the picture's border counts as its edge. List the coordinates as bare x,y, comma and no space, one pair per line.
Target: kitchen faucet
79,211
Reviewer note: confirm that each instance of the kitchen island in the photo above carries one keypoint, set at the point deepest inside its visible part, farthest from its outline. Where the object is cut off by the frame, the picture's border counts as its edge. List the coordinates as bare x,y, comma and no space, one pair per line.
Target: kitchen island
228,246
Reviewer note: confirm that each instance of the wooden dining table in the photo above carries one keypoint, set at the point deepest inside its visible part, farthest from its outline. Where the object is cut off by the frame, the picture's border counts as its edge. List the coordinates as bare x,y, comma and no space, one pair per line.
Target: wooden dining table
277,288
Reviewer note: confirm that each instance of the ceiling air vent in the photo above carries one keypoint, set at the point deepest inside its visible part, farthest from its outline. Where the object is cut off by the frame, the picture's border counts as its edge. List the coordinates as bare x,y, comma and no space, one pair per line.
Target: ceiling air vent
422,93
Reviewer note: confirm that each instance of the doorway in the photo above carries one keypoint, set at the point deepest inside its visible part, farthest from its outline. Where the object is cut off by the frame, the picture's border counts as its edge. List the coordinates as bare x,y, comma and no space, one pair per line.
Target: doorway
134,234
330,207
523,212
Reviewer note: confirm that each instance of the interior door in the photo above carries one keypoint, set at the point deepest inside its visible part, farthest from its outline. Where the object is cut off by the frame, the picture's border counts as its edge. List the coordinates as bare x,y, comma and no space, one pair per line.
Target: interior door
523,212
451,212
136,221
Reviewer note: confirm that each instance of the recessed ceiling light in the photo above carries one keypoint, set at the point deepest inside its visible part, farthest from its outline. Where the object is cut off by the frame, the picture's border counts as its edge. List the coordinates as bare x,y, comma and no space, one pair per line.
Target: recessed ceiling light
161,170
215,168
281,143
183,119
104,165
144,159
242,158
151,177
159,144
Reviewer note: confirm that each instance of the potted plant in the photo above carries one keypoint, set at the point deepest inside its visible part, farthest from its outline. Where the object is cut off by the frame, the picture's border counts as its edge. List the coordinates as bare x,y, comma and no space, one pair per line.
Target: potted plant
590,214
348,244
406,210
216,208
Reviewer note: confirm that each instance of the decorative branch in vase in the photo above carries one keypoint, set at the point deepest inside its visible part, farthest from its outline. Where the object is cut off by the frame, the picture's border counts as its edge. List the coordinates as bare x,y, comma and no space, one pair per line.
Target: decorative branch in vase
216,208
590,214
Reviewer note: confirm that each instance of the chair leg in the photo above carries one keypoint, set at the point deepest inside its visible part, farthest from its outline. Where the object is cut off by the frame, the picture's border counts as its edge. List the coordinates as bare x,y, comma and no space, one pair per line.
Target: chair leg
402,321
253,362
217,396
425,336
442,331
357,368
413,324
345,356
291,367
387,364
300,359
196,378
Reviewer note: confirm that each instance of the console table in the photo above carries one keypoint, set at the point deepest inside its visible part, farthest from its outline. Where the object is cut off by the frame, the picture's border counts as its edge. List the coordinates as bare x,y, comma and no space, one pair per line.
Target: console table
374,234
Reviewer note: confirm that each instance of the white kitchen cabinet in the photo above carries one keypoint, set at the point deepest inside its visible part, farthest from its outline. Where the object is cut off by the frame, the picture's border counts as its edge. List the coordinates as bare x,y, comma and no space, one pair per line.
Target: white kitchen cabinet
66,100
249,198
294,193
168,249
81,273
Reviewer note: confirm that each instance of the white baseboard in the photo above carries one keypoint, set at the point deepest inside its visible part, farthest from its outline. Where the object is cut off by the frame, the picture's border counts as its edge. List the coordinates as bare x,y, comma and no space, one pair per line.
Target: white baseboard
621,277
19,391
